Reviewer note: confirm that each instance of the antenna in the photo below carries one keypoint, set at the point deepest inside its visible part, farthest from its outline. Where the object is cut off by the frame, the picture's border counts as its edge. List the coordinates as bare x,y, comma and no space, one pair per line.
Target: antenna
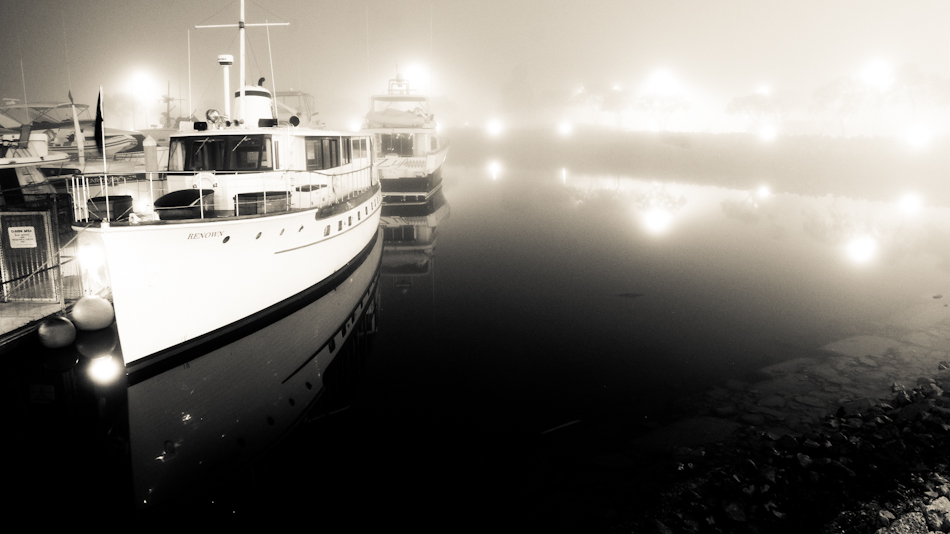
241,26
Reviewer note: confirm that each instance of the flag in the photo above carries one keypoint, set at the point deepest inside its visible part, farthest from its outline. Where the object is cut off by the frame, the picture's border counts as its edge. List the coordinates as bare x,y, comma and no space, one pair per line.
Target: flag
100,134
80,138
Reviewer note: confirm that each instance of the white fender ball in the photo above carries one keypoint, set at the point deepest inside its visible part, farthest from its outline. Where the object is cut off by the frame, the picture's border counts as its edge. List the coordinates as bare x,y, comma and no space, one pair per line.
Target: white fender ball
92,313
57,332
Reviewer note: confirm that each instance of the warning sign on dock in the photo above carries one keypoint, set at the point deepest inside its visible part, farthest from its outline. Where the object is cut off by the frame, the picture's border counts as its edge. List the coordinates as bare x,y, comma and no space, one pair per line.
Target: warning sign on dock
22,237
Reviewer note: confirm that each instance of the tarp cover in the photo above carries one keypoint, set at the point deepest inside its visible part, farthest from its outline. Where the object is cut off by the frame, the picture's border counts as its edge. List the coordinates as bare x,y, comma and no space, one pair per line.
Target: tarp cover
396,119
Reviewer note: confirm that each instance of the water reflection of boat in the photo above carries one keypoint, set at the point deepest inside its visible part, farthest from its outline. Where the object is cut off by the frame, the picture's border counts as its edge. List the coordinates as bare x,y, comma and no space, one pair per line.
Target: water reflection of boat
410,232
192,423
155,445
249,215
411,152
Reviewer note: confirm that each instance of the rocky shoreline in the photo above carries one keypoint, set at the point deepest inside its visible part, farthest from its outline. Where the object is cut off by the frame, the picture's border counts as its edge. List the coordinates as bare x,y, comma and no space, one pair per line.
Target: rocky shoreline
854,439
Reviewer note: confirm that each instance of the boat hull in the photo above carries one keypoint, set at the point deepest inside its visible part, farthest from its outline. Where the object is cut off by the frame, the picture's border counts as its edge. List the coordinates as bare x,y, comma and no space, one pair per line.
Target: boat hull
192,424
195,277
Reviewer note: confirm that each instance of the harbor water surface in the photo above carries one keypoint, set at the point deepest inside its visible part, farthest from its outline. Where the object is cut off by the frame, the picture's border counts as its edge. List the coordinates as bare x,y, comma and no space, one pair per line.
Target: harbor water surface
535,319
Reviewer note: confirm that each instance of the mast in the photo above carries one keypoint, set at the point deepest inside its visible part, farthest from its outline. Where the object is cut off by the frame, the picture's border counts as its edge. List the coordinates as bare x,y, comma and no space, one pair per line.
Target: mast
241,34
241,79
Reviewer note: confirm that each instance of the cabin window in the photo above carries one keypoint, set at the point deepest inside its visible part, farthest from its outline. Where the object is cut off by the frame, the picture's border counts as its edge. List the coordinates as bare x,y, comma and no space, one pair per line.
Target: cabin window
399,144
322,153
346,156
221,153
326,231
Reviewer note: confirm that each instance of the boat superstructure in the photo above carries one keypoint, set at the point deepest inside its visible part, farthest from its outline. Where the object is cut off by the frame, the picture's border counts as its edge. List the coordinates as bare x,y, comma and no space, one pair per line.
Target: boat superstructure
249,214
410,151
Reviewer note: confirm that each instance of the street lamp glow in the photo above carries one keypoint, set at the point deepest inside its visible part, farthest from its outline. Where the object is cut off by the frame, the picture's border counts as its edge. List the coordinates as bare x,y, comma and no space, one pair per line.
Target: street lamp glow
878,74
918,136
910,204
494,127
418,77
662,82
768,133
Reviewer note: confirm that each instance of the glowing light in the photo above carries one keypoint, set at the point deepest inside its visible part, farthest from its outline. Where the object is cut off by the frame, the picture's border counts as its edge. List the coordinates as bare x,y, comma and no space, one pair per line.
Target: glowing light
494,127
564,176
910,204
662,82
768,133
878,74
418,77
565,128
862,249
356,125
494,168
764,90
657,220
142,86
104,369
918,136
763,192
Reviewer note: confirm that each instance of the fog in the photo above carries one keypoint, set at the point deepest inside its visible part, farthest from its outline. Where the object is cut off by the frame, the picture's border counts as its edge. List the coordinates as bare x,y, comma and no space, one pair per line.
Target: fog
521,62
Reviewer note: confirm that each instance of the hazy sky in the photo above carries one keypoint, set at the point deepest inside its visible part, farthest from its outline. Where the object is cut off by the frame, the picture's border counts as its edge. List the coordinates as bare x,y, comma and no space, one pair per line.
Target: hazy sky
341,51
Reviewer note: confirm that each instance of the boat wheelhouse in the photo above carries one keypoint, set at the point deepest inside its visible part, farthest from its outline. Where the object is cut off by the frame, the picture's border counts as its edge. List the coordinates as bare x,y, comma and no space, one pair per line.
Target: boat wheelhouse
410,152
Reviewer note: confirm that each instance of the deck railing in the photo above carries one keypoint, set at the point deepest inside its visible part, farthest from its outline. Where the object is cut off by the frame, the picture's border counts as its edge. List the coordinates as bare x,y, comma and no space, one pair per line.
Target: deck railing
98,197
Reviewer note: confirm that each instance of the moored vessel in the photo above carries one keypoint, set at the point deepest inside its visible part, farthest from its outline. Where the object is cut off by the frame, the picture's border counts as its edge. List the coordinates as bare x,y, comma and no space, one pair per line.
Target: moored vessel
250,213
410,151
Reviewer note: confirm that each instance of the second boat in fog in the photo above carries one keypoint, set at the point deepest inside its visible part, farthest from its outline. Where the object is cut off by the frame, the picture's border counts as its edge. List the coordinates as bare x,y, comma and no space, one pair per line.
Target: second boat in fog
410,151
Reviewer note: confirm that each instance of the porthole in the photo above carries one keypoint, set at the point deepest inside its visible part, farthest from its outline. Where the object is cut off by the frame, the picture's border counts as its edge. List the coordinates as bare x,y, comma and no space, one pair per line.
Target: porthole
309,385
349,221
281,231
226,239
258,235
341,226
332,345
291,401
359,216
270,420
301,228
326,231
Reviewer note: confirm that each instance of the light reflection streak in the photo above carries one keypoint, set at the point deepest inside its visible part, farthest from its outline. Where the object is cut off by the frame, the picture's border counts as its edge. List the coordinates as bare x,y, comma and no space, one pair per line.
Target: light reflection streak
862,249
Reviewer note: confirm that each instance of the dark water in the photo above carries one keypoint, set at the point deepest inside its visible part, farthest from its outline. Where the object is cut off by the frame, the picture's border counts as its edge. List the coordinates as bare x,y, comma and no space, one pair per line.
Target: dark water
533,295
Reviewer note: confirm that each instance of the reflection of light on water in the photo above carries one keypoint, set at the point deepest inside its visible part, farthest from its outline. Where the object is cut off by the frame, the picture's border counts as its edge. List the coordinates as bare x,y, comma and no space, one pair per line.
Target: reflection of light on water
910,204
103,370
657,220
768,133
494,168
862,249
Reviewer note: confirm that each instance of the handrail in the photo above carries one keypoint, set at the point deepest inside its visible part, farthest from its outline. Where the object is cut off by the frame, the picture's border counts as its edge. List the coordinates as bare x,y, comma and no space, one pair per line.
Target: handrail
228,186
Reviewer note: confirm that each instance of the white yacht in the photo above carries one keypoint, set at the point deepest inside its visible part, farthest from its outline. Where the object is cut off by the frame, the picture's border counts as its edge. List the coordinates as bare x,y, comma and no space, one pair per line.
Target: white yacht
410,151
249,215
